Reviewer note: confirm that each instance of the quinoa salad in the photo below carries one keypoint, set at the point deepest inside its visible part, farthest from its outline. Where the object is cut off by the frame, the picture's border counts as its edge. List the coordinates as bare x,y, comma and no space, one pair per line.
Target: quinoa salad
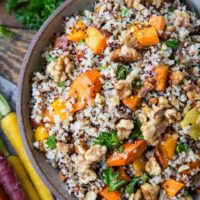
117,107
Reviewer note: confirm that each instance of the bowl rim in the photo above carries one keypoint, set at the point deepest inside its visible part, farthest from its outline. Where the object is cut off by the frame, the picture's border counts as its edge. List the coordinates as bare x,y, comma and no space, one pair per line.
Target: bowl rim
20,119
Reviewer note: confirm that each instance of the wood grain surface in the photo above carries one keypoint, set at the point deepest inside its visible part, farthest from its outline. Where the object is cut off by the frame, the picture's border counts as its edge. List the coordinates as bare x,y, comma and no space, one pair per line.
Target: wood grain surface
12,51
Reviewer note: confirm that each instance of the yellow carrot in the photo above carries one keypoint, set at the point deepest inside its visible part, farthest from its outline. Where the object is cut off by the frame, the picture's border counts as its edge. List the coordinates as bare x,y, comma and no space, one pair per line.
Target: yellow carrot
23,178
11,130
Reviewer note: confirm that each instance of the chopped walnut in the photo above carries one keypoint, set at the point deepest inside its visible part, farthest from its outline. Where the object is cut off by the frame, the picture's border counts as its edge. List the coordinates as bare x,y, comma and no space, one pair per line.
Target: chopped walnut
123,89
99,99
124,128
152,167
80,147
114,101
163,102
130,3
156,3
80,163
136,196
193,96
95,153
125,54
87,176
153,129
176,77
172,115
147,87
90,196
150,191
128,38
57,69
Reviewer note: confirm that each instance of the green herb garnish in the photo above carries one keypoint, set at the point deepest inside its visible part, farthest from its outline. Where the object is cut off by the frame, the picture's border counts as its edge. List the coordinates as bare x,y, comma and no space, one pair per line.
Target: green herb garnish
101,68
130,188
111,179
181,147
61,84
121,149
124,11
32,13
122,72
50,59
173,44
110,140
51,142
6,33
137,133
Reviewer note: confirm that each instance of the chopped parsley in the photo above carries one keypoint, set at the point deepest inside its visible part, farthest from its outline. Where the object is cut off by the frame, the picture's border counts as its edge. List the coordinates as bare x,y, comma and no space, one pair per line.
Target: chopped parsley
50,59
51,142
130,188
173,44
122,72
181,147
124,11
121,149
101,68
61,84
137,133
110,140
111,179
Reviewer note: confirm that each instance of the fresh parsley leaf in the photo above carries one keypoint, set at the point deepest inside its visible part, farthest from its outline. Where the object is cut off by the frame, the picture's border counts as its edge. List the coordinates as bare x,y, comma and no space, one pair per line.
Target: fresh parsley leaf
61,84
101,68
130,188
173,44
13,4
181,147
137,133
51,142
121,149
50,59
110,140
124,11
137,84
111,179
122,72
6,33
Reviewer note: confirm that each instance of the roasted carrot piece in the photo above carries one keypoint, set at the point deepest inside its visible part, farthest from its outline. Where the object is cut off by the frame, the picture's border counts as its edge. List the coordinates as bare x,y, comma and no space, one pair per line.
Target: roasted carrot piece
163,160
85,86
132,151
192,165
168,145
162,73
158,22
139,166
109,195
132,102
122,174
41,134
172,187
59,109
77,36
48,115
96,40
147,37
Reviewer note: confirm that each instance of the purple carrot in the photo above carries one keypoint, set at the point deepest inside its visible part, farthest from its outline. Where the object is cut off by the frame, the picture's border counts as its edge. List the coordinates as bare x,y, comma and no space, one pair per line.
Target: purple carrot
9,181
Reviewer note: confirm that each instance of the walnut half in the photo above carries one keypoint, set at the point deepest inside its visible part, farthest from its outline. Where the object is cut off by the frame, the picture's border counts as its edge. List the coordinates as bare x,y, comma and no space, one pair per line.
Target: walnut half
150,192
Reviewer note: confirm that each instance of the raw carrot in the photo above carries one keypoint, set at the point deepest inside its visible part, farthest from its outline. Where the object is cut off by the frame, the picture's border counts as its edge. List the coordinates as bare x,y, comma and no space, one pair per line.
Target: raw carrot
147,37
21,173
109,195
161,77
132,102
11,130
158,22
132,151
172,187
9,181
96,40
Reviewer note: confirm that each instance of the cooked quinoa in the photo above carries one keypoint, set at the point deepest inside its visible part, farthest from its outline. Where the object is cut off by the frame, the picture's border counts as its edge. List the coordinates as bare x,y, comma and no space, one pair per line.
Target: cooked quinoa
117,108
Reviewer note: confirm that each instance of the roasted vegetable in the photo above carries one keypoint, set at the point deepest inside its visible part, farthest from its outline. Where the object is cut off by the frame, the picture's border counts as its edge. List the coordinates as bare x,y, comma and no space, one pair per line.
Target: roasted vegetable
11,130
132,102
158,22
115,195
139,166
172,187
132,151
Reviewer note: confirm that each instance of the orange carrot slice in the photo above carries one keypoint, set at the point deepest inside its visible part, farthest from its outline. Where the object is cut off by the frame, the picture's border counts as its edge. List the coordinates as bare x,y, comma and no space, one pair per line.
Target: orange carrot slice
109,195
158,22
132,151
132,102
172,187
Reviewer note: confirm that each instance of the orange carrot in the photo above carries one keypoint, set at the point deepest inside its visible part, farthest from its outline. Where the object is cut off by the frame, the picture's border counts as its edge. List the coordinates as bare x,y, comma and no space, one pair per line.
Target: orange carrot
169,141
162,73
192,165
132,151
96,40
139,166
122,174
147,37
109,195
85,86
158,22
132,102
172,187
163,160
